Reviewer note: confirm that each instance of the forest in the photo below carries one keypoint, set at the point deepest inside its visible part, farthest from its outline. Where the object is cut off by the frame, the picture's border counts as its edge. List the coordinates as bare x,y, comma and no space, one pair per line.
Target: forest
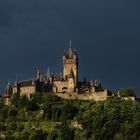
48,117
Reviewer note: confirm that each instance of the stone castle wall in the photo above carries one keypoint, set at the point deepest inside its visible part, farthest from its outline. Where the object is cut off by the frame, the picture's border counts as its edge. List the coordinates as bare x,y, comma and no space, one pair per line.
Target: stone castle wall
65,86
27,90
97,96
60,85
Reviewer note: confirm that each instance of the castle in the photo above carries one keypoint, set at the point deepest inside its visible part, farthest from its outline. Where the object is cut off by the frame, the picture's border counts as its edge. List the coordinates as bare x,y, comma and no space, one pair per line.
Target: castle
56,83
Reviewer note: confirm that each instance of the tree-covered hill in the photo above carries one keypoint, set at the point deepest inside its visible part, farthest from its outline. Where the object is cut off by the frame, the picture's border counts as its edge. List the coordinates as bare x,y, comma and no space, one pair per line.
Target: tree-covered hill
48,117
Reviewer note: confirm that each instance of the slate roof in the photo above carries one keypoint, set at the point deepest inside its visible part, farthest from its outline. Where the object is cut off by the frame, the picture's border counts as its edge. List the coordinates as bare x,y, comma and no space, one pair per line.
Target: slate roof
26,83
70,53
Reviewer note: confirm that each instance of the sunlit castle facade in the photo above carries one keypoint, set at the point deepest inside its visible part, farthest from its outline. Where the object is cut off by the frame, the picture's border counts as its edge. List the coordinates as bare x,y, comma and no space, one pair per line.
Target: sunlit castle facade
65,82
50,82
68,82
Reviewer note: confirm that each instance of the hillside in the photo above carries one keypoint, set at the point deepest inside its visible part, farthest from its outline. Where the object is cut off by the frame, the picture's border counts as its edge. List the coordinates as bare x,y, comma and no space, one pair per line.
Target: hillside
48,117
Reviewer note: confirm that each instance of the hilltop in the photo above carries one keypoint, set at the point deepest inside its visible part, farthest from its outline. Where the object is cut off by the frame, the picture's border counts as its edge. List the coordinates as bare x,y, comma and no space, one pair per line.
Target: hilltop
64,84
48,117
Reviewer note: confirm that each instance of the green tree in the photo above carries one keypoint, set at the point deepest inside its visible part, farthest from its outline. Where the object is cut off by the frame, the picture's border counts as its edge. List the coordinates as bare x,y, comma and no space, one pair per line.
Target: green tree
38,135
127,92
12,114
12,126
68,111
1,103
51,98
32,106
15,100
3,114
66,133
23,101
53,135
47,108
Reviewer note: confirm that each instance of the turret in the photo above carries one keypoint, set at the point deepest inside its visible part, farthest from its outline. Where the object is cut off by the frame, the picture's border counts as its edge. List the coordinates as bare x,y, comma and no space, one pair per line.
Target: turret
16,87
8,91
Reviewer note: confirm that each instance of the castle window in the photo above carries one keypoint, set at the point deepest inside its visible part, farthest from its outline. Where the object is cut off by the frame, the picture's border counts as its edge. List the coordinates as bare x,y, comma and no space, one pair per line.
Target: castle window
66,77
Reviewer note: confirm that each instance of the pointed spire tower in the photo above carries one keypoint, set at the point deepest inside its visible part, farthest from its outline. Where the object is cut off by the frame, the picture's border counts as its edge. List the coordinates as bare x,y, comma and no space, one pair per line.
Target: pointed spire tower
70,43
70,63
8,91
48,73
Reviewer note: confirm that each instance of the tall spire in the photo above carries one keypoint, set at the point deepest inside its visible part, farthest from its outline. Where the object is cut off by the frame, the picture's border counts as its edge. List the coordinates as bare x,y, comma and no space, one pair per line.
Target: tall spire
48,72
70,53
70,43
8,85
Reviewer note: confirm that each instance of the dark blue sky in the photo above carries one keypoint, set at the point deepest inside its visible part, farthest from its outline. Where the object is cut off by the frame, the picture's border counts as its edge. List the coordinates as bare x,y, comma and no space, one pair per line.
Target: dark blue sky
106,34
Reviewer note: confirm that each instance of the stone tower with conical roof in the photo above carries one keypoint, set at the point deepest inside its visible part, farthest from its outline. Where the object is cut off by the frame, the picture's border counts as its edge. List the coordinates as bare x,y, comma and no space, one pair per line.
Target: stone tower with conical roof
70,64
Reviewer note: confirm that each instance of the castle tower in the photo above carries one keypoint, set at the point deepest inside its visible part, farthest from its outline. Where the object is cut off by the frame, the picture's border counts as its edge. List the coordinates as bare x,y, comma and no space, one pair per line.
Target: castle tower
8,91
70,63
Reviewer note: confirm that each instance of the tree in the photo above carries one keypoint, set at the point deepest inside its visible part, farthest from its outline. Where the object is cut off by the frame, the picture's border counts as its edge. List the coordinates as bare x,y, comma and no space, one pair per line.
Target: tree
66,133
12,126
24,135
127,92
2,127
1,103
32,106
15,100
68,111
38,135
12,114
23,102
3,114
51,98
56,113
47,108
53,135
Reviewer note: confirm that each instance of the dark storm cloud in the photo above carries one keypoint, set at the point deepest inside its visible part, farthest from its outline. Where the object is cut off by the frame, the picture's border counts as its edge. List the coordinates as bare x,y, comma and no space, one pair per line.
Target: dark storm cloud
34,33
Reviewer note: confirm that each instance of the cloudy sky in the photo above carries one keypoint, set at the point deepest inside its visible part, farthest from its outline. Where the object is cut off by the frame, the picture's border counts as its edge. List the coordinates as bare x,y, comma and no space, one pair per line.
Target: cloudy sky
106,34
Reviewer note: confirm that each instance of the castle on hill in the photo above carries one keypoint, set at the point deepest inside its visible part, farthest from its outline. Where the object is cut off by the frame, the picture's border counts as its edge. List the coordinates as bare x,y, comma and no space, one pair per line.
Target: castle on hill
56,83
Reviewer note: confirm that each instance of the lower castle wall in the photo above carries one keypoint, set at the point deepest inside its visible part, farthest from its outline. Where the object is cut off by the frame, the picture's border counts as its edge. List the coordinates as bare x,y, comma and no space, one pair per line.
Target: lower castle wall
97,96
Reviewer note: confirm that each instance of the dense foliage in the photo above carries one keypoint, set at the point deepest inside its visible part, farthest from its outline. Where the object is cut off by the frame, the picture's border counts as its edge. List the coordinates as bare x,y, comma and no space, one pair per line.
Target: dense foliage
47,117
128,92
